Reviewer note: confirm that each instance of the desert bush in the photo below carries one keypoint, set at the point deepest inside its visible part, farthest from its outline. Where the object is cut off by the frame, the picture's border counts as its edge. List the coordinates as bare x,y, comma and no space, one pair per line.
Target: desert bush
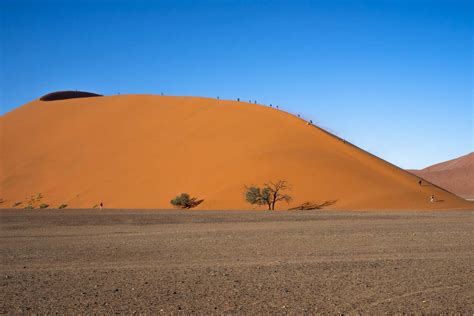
29,207
269,195
184,200
34,199
62,206
44,205
16,204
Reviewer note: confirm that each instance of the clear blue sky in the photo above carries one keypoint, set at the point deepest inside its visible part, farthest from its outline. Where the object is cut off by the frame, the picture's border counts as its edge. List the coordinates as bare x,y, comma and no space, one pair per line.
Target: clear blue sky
392,76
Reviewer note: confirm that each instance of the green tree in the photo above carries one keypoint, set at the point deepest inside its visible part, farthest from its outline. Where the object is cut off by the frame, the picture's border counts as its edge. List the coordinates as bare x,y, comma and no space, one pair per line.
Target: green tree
255,195
270,194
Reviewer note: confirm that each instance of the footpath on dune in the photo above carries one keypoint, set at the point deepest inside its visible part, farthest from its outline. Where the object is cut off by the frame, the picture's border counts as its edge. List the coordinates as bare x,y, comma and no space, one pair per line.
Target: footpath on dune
140,151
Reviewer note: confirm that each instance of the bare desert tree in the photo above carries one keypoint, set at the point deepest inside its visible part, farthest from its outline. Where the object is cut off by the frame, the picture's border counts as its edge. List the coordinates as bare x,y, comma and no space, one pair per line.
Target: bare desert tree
276,192
270,194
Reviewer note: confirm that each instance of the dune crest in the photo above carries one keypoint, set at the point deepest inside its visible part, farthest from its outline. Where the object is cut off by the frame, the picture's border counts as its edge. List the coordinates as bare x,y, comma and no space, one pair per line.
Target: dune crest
140,151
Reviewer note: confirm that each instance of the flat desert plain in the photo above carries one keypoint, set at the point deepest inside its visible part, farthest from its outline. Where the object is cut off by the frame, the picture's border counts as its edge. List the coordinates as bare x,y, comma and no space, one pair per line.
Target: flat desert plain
124,261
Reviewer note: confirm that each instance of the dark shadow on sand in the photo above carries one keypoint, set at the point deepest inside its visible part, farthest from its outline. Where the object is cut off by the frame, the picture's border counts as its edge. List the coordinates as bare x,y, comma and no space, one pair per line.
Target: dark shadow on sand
313,205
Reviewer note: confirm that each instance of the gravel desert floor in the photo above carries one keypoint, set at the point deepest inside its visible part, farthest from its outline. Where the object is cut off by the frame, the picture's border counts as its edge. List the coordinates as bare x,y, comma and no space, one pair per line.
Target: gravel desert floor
246,262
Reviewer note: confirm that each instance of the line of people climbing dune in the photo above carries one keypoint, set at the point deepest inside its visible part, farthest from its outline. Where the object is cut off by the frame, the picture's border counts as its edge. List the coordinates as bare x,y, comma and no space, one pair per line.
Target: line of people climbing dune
432,198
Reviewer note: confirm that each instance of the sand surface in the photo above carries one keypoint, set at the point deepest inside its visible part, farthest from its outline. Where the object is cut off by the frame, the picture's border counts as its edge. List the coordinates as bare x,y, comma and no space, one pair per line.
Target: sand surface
140,151
236,262
456,175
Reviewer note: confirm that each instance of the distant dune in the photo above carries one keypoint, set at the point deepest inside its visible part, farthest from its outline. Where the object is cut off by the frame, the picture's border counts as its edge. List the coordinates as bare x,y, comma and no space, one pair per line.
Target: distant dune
456,175
139,151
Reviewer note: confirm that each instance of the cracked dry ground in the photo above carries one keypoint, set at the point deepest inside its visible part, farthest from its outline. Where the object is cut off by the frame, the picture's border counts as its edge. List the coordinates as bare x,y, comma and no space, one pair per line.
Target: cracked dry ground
125,261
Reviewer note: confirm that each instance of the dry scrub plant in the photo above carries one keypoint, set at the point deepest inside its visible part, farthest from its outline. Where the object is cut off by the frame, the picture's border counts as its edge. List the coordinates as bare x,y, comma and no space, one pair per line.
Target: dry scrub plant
185,201
270,194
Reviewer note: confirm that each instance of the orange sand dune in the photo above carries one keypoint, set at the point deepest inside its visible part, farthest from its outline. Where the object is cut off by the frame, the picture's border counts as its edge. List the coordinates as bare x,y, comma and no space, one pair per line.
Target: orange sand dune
139,151
456,175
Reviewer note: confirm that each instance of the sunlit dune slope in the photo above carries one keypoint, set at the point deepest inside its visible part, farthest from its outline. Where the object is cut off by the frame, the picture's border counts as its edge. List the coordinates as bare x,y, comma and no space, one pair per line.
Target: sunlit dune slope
456,175
139,151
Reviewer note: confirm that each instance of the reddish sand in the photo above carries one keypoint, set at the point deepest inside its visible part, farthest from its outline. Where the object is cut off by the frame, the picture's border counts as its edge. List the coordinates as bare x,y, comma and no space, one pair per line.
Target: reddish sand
139,151
456,175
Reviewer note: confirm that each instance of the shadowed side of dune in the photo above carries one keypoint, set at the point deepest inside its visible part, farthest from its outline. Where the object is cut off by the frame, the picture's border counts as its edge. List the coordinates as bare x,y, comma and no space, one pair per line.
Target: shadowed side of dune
63,95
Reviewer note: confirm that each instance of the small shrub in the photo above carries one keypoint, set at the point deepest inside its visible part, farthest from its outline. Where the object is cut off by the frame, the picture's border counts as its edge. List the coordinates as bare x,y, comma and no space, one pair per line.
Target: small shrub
34,199
185,201
44,205
95,206
16,204
62,206
29,207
